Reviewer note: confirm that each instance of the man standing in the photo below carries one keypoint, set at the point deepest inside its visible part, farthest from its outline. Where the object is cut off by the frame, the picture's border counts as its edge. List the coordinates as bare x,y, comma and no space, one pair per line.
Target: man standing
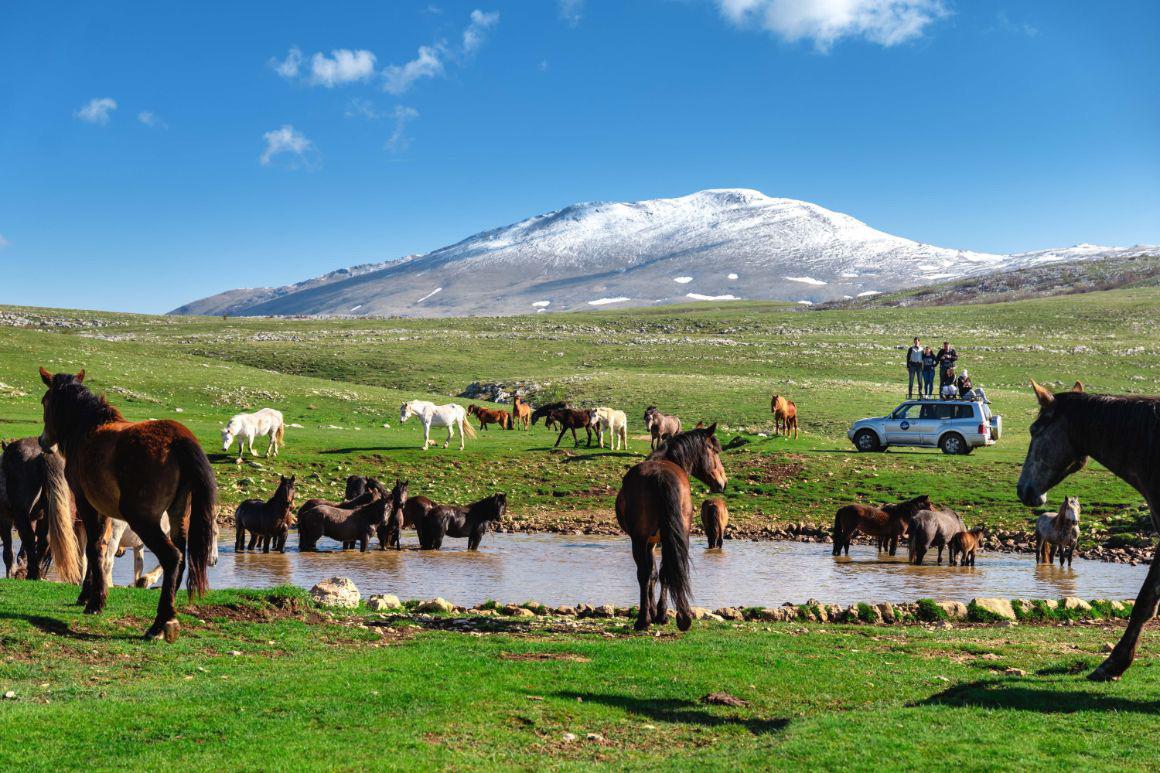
947,357
914,369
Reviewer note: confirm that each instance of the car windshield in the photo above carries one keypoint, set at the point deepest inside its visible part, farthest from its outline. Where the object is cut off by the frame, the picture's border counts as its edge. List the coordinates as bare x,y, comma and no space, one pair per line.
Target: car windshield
905,411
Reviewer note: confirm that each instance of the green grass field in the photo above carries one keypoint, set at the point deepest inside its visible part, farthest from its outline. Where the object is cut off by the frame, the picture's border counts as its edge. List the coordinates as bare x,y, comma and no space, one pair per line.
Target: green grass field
251,686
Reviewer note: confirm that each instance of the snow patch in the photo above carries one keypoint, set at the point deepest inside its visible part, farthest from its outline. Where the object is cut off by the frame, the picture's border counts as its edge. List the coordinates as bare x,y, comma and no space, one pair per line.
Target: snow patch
806,303
868,293
428,295
700,297
541,304
682,280
731,276
606,301
849,275
806,280
356,307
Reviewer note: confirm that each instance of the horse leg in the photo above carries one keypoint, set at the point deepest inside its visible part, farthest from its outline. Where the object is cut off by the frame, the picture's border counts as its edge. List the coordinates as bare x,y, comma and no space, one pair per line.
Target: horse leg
476,536
253,540
941,544
146,581
6,538
560,436
97,534
642,554
451,435
155,538
239,536
1142,612
588,429
28,544
426,435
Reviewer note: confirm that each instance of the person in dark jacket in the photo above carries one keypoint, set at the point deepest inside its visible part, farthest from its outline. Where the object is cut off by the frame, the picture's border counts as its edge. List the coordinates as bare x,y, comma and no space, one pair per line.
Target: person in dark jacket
928,365
914,369
947,357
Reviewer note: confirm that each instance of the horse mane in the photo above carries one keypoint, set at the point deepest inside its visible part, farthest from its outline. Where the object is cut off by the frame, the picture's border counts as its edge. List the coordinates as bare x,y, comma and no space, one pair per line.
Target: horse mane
1132,420
85,409
486,506
684,449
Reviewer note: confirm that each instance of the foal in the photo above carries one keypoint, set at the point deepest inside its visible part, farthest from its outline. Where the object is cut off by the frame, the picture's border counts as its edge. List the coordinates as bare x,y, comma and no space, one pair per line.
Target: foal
714,519
270,520
964,544
489,416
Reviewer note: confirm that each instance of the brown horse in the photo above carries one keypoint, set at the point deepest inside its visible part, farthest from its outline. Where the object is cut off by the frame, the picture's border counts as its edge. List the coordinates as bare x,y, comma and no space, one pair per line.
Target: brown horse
888,523
472,521
1121,434
350,526
521,413
545,410
570,419
714,519
490,416
964,544
135,472
34,498
654,505
268,520
661,426
785,416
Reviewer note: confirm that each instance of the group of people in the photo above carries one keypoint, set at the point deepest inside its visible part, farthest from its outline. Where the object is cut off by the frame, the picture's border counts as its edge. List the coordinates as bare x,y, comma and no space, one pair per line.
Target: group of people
921,362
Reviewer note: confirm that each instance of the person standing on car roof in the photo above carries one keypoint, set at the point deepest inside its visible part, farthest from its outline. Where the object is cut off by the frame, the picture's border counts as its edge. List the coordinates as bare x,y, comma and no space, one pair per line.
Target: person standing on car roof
914,369
947,357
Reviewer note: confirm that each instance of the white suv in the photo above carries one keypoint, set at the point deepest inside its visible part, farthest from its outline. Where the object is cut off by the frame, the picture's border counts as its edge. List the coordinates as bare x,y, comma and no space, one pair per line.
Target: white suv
955,426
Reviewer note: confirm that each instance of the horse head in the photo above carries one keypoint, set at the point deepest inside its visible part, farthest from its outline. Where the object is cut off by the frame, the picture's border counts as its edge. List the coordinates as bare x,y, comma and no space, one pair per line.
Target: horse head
698,451
406,412
1069,511
650,415
1052,456
65,403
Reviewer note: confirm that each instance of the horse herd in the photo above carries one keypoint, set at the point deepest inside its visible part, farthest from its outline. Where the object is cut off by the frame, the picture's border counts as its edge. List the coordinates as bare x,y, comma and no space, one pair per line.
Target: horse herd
90,465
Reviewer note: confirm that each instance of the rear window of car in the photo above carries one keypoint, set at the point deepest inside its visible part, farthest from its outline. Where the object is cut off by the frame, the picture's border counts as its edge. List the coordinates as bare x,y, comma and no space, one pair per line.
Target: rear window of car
947,411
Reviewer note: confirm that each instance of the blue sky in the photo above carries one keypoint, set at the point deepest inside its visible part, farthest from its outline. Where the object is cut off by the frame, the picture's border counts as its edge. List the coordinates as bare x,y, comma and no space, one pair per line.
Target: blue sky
153,153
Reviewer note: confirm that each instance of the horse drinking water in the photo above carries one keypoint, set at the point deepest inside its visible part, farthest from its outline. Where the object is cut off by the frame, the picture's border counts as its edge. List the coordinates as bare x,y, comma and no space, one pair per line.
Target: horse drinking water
246,427
451,416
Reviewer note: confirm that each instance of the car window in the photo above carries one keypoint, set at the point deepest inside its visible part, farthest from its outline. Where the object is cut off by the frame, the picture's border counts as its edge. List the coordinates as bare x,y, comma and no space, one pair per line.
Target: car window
964,412
908,411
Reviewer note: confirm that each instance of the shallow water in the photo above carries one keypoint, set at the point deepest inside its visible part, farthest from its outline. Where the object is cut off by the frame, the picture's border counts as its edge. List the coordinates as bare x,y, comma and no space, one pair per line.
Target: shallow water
562,569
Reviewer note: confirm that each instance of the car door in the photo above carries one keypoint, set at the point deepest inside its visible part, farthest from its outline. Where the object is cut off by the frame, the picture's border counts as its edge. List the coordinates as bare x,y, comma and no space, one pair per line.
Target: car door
903,426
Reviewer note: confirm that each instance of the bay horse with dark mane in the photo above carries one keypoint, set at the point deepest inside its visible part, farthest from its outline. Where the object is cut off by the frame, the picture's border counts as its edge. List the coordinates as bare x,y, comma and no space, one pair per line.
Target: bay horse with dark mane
654,505
1122,434
135,472
490,416
34,498
543,411
268,521
570,419
888,523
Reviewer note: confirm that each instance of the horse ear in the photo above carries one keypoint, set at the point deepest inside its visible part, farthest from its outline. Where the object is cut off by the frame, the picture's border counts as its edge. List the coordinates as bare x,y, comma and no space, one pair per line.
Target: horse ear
81,376
1044,397
46,377
712,428
1078,387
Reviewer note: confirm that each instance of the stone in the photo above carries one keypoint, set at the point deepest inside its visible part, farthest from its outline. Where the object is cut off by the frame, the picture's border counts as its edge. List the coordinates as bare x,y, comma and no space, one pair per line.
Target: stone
511,610
1118,606
604,610
1107,648
381,602
998,607
956,610
565,611
730,613
568,737
885,612
435,605
336,592
1014,671
1074,602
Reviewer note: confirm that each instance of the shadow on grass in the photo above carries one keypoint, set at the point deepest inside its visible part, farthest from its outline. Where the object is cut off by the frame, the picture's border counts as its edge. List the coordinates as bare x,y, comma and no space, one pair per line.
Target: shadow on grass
371,449
677,710
55,627
1023,697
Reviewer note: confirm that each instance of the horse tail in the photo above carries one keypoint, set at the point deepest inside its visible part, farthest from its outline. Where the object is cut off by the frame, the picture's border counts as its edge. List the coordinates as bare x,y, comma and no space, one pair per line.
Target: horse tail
674,538
466,428
196,471
58,505
280,435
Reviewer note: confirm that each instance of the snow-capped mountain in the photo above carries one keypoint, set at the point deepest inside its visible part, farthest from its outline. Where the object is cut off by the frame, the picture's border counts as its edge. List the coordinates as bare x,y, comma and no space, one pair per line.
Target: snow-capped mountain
712,245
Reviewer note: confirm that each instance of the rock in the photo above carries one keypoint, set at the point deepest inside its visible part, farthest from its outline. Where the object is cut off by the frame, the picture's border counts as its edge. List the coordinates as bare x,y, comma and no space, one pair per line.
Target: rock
723,699
568,737
594,737
511,610
604,610
1074,602
1107,648
821,614
1118,606
10,695
565,611
381,602
234,653
998,607
956,610
730,613
1014,671
885,612
700,613
336,592
435,605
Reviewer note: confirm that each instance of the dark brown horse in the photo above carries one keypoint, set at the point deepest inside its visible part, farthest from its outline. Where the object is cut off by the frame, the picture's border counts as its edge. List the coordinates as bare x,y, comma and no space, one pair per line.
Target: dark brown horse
360,490
570,419
349,526
268,520
654,505
490,416
135,472
714,519
390,531
521,413
543,411
34,498
439,521
1122,434
888,523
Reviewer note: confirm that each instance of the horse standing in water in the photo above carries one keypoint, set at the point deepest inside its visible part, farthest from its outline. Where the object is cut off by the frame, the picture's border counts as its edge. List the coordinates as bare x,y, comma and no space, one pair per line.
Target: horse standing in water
654,505
1122,434
133,472
268,520
34,498
1058,532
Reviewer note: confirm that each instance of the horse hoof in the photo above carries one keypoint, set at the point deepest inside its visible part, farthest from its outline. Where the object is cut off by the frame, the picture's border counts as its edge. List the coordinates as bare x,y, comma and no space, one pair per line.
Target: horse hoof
641,625
1106,672
683,621
141,582
93,610
172,630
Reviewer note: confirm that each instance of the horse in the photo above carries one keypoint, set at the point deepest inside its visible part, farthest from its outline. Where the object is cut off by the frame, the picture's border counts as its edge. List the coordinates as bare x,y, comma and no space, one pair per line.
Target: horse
613,421
1058,532
714,519
1120,433
134,472
35,500
521,412
545,410
359,491
661,426
654,505
570,419
348,526
932,528
889,523
268,520
451,416
390,531
248,426
964,544
490,416
472,521
122,538
785,416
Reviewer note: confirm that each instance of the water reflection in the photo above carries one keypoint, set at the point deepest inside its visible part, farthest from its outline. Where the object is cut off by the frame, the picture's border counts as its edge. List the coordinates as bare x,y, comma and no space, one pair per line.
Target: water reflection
566,569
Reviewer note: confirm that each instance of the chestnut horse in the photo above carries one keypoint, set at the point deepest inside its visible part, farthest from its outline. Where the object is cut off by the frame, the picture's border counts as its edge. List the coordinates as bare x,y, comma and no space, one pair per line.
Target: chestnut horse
888,523
785,416
34,498
490,416
521,413
1121,434
654,505
134,472
964,544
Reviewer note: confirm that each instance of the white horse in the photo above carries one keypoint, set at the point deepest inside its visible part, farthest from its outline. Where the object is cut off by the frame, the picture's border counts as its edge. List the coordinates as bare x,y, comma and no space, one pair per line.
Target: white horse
451,416
1058,532
247,426
614,421
122,538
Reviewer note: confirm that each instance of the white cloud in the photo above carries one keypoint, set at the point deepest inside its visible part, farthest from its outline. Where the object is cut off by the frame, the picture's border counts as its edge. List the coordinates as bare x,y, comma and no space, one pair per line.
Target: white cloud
288,140
1007,25
571,11
288,68
399,141
152,120
475,33
97,110
342,66
362,108
885,22
428,64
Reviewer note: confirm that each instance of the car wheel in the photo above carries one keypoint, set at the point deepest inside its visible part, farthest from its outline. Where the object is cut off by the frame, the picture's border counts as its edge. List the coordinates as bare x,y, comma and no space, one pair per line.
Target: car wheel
953,443
867,440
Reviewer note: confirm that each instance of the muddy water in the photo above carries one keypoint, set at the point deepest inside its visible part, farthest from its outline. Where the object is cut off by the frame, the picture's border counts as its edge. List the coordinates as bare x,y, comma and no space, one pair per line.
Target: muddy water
560,569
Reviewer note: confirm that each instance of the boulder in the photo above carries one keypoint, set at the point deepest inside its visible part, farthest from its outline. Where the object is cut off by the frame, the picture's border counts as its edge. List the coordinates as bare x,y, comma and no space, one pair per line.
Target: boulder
381,602
730,613
336,592
1074,602
885,612
511,610
998,607
604,610
435,605
956,610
